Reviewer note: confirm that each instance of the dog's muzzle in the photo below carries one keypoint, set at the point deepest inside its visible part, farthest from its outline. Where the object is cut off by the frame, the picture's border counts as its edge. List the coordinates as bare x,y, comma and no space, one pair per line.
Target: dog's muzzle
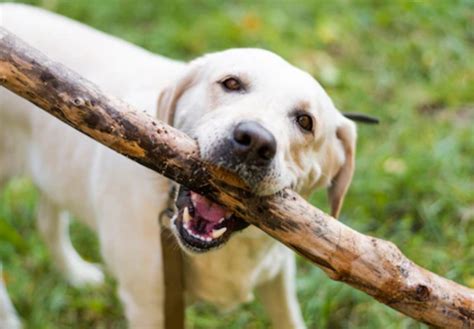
249,151
201,224
252,144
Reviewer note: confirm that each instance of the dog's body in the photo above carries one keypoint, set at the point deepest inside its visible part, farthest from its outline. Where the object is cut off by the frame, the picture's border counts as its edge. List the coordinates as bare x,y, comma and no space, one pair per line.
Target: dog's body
121,200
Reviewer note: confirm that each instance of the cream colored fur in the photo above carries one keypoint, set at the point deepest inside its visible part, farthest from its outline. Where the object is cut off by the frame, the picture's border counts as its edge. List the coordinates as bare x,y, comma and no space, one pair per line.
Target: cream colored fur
121,200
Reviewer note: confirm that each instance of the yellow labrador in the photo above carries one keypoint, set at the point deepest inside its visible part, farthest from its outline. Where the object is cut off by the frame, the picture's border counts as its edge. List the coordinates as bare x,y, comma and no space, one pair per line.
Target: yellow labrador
250,111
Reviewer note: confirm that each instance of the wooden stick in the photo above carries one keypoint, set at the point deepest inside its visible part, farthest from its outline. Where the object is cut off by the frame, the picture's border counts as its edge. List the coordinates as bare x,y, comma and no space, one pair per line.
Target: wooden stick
374,266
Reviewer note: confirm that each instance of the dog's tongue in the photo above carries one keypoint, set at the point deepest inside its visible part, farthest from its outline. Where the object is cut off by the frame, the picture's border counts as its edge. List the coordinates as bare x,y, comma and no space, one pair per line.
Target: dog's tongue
207,209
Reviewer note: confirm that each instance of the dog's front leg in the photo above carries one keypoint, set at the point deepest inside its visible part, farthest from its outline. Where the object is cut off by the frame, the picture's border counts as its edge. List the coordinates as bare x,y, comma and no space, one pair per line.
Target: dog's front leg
278,296
130,247
53,225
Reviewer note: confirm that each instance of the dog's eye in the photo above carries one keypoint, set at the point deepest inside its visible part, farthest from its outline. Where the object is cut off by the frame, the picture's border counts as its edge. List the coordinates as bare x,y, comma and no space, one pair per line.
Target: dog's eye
305,121
232,84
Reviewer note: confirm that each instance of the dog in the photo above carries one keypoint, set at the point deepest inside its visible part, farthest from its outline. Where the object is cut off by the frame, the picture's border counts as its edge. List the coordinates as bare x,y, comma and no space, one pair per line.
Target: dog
250,111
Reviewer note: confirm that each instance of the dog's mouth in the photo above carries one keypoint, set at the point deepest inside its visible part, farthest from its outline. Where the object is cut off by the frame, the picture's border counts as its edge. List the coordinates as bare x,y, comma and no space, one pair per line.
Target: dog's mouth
202,225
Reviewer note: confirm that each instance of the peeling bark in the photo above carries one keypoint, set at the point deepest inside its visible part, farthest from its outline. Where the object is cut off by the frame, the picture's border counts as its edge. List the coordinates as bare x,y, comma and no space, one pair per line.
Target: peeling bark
374,266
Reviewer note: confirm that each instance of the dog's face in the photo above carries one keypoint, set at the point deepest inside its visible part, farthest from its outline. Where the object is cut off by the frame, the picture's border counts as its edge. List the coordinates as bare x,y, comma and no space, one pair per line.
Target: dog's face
271,123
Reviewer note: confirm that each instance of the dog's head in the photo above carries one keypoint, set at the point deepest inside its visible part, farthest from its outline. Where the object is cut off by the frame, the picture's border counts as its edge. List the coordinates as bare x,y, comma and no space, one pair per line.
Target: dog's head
271,123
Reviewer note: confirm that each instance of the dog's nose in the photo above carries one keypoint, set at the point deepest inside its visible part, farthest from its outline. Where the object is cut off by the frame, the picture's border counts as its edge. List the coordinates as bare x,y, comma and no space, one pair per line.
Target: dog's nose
253,143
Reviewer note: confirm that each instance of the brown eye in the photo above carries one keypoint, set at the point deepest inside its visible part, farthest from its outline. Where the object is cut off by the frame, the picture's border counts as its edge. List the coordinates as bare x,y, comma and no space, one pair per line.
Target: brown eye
305,121
232,84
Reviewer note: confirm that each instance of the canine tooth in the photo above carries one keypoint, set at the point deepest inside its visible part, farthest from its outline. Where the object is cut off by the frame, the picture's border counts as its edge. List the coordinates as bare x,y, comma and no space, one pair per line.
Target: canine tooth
221,220
217,233
186,226
186,215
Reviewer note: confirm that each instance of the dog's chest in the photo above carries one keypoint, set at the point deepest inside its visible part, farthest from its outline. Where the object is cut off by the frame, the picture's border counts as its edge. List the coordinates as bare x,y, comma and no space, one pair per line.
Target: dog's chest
227,277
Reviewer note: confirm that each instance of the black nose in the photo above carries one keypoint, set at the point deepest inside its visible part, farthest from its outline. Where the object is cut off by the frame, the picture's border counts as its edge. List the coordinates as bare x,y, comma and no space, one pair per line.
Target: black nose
253,143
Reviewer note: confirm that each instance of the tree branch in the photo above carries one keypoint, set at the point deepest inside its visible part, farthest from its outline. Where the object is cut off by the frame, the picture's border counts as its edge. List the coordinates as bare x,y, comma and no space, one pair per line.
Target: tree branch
372,265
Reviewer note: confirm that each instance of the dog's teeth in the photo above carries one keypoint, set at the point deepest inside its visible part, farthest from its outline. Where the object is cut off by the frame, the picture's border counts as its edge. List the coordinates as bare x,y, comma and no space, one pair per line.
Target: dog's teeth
217,233
208,239
186,215
221,220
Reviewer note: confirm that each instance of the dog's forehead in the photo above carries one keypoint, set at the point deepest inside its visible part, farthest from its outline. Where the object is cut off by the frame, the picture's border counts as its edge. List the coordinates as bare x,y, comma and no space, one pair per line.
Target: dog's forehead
245,56
256,64
265,72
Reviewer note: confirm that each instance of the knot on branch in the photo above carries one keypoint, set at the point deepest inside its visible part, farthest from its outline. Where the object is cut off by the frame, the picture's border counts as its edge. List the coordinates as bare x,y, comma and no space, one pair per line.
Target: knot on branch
78,101
422,293
47,78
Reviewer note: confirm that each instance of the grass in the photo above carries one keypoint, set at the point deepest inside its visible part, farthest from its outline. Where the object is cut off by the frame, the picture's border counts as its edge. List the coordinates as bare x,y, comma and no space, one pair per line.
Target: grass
408,62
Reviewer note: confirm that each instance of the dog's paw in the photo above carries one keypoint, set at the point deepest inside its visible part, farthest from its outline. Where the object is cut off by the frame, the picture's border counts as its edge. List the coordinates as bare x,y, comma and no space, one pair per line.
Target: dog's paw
86,274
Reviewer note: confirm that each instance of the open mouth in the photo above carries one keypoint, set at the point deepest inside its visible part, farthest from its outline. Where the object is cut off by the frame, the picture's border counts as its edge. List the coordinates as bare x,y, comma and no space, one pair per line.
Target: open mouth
201,224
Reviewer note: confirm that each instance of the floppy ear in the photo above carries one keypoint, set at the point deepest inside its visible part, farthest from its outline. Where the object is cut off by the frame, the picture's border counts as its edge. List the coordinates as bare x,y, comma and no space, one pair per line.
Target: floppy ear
346,135
169,97
165,108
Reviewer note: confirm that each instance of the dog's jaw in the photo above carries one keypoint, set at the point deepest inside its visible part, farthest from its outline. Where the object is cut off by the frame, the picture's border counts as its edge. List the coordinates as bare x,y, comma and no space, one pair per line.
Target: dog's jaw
202,225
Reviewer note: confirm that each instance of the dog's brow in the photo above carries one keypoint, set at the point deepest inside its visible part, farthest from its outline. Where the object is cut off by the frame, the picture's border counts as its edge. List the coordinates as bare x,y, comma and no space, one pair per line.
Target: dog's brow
303,106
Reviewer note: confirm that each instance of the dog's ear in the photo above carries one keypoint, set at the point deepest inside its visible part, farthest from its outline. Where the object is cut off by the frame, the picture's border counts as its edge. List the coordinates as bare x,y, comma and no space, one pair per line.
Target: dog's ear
169,97
346,136
165,108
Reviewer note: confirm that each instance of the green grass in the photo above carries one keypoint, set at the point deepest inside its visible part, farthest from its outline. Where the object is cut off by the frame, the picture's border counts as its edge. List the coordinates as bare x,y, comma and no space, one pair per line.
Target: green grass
408,62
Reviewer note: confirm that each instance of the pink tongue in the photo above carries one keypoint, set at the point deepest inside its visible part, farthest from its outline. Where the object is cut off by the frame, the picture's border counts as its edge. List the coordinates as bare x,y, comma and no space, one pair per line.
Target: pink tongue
207,209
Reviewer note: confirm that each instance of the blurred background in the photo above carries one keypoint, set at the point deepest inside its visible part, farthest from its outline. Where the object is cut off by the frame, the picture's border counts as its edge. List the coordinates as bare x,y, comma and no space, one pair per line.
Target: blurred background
411,63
